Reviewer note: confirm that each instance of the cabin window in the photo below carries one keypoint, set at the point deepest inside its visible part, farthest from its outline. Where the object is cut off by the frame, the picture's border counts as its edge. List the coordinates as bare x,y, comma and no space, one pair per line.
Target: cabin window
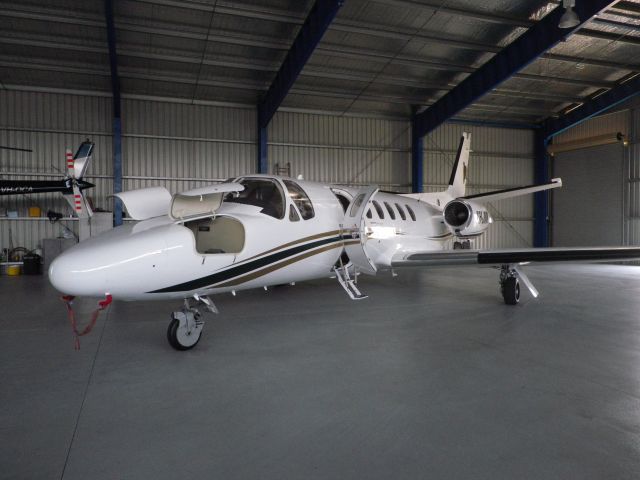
369,214
378,210
301,199
390,210
214,235
411,214
260,192
401,212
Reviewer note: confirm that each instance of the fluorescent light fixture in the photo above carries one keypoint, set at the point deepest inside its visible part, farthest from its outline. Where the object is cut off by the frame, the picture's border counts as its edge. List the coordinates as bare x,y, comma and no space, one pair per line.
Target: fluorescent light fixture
569,19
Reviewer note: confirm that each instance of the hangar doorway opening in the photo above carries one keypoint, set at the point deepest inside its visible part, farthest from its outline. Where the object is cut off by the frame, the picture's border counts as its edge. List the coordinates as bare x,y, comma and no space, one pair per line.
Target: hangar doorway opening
589,208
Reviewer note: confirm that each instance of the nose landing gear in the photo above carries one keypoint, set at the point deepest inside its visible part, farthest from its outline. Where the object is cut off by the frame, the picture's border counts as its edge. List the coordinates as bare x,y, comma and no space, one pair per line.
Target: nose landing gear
185,328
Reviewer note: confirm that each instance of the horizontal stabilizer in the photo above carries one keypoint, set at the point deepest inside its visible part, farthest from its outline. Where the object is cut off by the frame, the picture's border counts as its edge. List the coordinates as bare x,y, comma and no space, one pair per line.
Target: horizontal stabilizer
514,192
514,256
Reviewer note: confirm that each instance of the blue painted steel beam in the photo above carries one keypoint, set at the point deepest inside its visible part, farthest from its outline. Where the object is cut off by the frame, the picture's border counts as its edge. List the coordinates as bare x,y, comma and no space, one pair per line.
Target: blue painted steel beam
117,117
541,199
522,51
263,165
417,160
320,17
609,99
491,123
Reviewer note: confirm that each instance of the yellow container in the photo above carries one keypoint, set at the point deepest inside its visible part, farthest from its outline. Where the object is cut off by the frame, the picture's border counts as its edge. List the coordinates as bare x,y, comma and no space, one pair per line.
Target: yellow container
13,270
34,211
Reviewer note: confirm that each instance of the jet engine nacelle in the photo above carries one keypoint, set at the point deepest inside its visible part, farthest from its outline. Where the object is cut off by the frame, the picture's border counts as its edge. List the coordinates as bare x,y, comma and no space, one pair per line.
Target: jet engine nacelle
466,219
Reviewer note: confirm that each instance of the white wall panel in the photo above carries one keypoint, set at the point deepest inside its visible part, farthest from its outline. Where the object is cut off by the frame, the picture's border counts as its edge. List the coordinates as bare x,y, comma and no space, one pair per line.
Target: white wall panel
349,150
185,146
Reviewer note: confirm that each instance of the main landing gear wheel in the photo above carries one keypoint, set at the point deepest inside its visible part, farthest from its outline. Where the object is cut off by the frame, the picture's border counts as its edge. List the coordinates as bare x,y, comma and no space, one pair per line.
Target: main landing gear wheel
511,290
185,329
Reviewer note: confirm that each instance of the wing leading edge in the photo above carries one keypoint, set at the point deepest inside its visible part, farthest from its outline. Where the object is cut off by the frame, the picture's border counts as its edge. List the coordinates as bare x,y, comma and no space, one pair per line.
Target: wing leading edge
516,256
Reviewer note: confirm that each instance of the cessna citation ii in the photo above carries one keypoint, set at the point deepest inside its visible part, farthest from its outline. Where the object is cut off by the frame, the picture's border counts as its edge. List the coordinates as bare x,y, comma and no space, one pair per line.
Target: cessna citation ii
261,230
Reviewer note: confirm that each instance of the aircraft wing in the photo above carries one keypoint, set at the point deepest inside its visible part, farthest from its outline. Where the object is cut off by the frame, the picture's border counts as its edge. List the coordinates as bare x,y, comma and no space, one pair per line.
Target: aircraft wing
516,256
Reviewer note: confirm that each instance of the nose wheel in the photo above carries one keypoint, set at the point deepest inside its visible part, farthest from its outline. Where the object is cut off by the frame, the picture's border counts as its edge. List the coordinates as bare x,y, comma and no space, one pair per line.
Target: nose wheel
185,329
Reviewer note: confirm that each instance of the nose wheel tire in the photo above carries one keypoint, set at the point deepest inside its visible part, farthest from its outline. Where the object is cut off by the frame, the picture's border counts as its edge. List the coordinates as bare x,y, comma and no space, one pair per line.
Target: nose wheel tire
181,335
511,291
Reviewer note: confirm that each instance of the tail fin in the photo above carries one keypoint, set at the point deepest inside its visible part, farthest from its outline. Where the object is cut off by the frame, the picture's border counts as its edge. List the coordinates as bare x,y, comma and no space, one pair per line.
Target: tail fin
81,159
458,180
76,168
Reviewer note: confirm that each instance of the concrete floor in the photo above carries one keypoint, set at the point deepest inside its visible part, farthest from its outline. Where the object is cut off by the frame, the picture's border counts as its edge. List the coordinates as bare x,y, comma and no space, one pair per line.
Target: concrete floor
431,377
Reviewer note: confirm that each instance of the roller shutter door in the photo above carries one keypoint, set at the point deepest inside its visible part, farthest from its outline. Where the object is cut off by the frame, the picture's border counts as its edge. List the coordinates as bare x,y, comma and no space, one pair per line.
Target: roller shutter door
588,209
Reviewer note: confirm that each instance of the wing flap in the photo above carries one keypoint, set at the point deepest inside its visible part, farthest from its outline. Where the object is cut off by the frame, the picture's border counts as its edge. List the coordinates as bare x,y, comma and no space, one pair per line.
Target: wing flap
515,256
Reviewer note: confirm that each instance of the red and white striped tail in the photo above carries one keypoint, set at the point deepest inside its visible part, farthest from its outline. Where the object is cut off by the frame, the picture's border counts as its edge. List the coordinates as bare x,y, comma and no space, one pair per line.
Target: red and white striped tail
70,163
77,201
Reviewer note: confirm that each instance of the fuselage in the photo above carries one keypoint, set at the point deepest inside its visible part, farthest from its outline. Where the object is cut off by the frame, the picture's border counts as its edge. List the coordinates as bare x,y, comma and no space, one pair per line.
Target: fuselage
279,230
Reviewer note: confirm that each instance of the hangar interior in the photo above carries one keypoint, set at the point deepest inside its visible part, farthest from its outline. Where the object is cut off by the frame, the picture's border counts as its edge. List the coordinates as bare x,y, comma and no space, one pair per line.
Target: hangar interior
183,94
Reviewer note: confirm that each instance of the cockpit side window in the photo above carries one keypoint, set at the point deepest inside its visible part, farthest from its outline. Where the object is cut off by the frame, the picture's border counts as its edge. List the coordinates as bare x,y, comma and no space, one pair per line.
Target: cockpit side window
260,192
301,199
293,214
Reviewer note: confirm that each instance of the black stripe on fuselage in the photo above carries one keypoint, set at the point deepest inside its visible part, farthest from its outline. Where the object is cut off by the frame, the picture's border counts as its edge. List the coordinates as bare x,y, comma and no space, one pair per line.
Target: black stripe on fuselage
228,274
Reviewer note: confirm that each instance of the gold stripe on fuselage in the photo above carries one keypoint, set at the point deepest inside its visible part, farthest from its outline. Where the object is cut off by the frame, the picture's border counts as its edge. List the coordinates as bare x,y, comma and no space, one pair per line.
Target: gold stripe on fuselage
295,242
272,268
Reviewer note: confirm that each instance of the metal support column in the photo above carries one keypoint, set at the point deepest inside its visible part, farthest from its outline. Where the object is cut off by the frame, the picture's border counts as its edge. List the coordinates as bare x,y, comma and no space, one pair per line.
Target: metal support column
117,169
417,159
541,199
117,117
263,164
316,24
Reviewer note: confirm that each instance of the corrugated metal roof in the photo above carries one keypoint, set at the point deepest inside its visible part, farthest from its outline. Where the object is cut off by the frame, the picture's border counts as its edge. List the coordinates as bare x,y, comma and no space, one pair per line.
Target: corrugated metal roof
378,56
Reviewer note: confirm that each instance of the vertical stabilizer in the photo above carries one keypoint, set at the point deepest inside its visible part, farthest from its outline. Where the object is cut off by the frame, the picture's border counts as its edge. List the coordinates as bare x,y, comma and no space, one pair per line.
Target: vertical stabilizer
458,180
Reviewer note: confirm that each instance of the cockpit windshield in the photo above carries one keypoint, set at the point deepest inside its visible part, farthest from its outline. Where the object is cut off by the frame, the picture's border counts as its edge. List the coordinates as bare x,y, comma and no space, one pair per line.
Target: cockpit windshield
260,192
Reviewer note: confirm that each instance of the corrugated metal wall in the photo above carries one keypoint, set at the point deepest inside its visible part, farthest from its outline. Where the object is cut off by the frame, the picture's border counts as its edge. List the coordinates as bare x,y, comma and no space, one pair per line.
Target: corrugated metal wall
49,124
610,123
184,146
350,150
500,158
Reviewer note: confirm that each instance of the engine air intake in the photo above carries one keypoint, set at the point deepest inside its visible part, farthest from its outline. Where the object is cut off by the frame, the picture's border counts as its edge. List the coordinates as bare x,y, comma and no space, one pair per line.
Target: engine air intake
456,214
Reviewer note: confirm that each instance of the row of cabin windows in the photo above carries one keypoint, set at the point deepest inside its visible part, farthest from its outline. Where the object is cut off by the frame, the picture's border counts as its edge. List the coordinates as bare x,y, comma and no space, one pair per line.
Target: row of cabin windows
391,212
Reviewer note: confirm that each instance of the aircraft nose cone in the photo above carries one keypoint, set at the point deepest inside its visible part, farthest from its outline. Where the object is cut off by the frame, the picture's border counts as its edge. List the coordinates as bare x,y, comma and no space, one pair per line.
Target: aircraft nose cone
69,274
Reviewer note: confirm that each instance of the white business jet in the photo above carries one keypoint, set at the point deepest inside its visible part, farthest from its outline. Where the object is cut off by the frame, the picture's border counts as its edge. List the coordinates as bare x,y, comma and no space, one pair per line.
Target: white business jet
261,230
